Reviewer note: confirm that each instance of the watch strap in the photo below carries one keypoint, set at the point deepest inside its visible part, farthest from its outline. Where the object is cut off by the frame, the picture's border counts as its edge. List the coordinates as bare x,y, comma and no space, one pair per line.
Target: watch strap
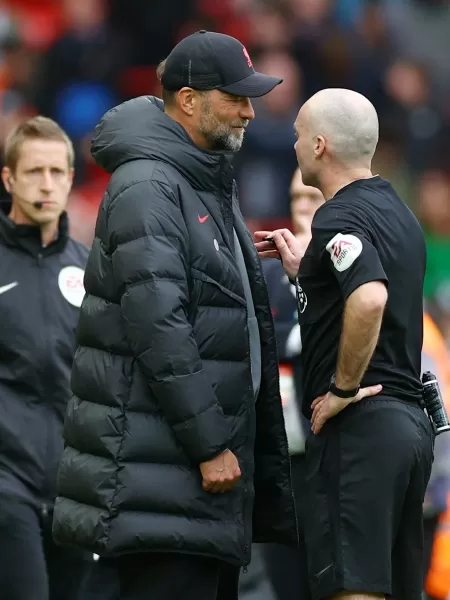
342,393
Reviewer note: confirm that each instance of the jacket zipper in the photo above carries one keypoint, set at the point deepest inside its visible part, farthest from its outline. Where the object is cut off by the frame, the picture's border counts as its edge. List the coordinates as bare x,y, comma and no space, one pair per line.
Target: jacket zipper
247,541
47,351
267,299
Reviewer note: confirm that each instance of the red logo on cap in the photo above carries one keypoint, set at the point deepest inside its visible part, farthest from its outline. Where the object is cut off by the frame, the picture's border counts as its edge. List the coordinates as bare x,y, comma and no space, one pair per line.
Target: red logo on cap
247,56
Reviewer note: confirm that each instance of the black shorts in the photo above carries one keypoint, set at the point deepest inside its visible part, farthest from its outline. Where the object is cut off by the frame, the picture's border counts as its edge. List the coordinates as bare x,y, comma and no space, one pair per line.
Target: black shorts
366,476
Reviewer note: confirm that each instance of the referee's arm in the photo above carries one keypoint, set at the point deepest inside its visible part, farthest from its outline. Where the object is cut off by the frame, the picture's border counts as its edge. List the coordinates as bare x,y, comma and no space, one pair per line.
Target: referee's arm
361,325
354,261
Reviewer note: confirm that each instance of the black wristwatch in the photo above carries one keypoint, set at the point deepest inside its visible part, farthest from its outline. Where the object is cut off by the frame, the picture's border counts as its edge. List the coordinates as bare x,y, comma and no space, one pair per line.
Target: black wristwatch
341,393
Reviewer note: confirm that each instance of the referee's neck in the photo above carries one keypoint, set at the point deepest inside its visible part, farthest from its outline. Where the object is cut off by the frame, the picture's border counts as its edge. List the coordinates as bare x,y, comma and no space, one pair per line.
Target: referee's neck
335,180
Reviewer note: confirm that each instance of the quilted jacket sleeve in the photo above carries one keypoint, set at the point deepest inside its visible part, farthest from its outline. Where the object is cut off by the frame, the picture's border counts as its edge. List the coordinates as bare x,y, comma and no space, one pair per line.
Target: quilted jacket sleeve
148,240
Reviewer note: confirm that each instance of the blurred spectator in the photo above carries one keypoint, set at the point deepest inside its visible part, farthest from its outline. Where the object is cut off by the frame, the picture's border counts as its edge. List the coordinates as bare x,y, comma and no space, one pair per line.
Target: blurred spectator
390,162
6,25
311,14
370,52
15,73
17,67
151,26
348,12
320,45
433,205
271,30
419,29
414,114
433,193
267,159
81,67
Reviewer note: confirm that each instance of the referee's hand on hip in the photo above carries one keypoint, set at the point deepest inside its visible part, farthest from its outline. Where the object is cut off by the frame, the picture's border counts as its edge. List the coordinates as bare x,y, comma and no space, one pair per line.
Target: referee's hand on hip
329,405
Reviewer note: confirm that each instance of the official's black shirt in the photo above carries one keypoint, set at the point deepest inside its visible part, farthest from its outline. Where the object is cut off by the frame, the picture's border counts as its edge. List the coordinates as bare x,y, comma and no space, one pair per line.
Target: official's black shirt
41,290
364,233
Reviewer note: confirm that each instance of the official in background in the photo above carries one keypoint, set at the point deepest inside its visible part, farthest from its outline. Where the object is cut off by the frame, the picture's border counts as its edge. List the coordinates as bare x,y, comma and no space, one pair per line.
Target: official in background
41,289
359,289
175,437
287,567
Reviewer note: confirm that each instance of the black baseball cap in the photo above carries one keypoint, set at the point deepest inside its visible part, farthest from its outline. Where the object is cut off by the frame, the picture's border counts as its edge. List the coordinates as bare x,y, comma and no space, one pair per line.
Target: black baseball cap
207,60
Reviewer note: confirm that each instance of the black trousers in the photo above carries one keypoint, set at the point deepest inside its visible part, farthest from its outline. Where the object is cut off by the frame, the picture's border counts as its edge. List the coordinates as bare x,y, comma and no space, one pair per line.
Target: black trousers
366,476
287,567
32,567
157,576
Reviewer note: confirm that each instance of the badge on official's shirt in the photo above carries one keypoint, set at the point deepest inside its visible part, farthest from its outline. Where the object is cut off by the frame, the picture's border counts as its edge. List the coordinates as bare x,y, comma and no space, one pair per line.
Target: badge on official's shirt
70,282
302,299
344,249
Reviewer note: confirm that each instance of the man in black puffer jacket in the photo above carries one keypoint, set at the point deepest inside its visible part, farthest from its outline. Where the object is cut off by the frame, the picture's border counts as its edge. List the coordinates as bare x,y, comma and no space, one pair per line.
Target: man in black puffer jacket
176,455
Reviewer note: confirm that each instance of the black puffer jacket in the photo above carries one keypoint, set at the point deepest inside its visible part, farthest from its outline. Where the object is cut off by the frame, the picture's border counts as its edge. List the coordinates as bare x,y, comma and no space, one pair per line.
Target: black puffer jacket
162,377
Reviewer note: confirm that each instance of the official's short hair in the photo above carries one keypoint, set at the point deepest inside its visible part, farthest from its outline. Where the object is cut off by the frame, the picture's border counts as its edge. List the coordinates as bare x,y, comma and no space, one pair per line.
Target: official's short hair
36,128
168,96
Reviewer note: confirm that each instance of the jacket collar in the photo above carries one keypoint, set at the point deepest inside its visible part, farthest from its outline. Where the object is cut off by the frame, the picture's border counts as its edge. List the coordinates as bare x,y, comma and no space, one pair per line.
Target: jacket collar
28,237
140,129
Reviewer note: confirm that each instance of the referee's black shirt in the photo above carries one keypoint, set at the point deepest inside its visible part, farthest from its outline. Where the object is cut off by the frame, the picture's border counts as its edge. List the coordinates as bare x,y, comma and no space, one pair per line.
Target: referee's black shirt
364,233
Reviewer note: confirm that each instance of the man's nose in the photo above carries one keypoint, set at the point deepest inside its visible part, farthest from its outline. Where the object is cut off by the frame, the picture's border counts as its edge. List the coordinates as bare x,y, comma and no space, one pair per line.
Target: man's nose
247,111
47,181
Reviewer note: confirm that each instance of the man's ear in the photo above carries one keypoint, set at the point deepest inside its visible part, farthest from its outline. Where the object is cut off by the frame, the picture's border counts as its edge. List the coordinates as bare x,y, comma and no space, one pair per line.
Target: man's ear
319,146
7,179
188,100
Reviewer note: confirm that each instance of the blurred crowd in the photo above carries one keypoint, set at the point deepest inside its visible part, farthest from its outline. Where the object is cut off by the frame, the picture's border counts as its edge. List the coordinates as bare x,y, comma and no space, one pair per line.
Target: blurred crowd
72,60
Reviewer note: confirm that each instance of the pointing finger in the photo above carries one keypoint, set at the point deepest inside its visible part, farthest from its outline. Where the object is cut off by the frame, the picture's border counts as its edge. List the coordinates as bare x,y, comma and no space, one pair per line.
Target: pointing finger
259,236
284,236
263,246
280,242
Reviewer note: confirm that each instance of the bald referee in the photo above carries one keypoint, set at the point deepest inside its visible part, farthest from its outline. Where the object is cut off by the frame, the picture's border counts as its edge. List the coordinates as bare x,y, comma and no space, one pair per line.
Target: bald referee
359,289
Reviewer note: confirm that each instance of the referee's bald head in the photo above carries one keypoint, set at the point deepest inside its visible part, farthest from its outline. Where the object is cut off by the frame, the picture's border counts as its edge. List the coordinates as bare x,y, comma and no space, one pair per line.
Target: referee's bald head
336,126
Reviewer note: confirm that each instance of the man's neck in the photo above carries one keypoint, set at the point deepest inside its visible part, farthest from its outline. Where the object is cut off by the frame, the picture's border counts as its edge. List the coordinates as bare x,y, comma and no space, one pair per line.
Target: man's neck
336,180
49,231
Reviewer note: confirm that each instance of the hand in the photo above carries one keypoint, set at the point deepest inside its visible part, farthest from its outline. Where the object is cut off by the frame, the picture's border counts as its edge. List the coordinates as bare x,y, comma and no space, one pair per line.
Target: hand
221,473
329,405
286,247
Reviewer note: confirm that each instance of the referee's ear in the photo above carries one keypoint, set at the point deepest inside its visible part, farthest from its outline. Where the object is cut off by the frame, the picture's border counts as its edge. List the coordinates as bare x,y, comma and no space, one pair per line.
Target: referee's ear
320,146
